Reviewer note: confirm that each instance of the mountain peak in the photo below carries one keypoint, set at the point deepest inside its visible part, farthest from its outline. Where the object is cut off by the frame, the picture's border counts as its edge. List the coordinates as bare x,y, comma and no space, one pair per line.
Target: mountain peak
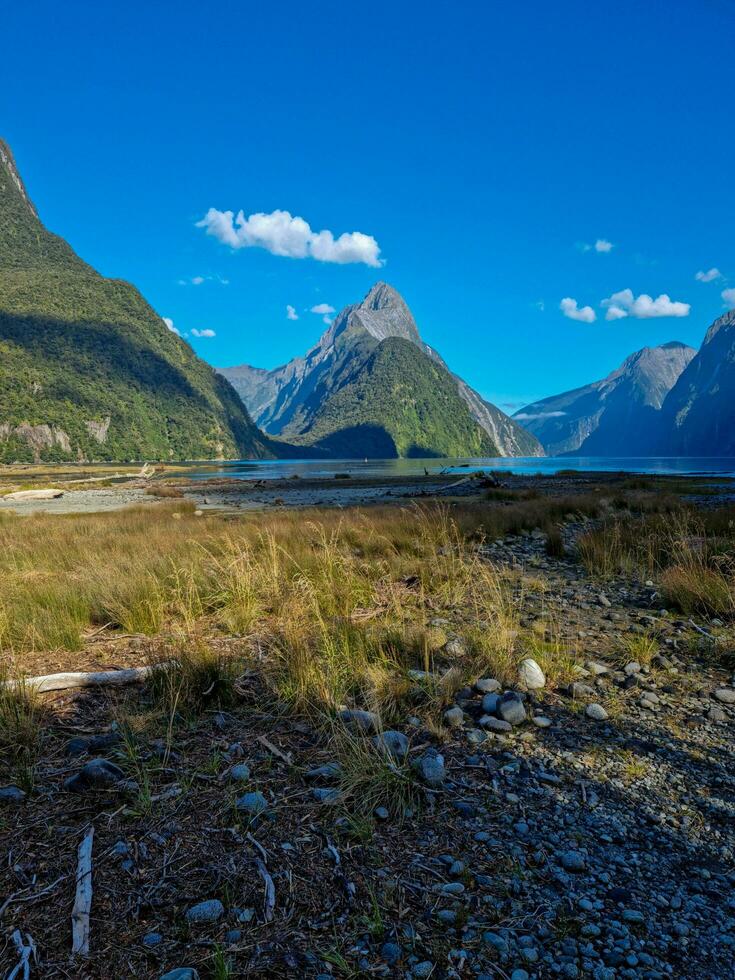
382,295
7,163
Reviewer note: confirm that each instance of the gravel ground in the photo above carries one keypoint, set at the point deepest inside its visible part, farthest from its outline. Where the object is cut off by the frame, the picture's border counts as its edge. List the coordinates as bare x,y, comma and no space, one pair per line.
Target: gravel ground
583,832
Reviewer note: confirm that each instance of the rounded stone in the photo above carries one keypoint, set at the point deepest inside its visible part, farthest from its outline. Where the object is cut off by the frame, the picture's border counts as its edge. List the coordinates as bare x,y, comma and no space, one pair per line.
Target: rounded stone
530,675
205,912
392,742
596,712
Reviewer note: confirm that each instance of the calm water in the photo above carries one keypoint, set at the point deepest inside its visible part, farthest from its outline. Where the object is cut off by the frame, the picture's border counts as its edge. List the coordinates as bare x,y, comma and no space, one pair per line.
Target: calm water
278,469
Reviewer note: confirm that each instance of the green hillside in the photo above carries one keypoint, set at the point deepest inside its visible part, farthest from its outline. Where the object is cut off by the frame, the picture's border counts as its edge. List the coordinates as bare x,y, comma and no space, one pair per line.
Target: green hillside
399,403
88,370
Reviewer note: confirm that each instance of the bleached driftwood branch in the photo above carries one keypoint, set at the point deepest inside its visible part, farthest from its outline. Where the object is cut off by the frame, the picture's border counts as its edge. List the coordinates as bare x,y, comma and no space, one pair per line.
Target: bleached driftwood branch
94,678
83,899
269,903
25,948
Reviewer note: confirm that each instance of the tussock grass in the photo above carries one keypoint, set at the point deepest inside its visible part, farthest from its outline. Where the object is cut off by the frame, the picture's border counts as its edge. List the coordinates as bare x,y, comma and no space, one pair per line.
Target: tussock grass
192,680
693,556
371,778
21,732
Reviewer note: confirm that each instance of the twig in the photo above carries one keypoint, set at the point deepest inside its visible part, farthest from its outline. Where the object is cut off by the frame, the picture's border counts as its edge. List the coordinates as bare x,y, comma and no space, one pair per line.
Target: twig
284,756
17,898
270,890
700,630
83,899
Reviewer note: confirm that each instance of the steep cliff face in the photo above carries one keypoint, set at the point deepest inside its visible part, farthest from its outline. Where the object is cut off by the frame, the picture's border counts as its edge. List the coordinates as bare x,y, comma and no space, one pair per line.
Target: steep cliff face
87,369
698,414
617,416
292,401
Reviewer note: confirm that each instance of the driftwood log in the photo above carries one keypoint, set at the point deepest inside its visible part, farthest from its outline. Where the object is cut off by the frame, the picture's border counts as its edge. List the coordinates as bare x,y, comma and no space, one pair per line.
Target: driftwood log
83,898
72,679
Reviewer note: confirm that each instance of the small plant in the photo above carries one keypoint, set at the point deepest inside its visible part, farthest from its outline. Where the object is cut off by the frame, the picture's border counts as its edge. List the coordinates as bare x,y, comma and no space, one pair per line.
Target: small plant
699,590
21,731
555,547
164,492
371,777
192,681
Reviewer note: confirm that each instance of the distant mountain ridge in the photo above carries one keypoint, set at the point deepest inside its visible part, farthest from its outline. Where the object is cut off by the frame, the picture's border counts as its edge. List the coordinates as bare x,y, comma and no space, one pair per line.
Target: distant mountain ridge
88,371
313,398
698,415
619,415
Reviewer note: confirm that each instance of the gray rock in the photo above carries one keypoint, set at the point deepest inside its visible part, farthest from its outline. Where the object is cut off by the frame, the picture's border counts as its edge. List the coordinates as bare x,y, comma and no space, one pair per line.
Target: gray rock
391,742
725,694
487,685
240,773
530,675
579,690
423,969
152,939
596,712
180,973
365,721
430,768
205,912
541,721
493,724
573,861
490,703
253,804
97,774
11,794
510,708
326,773
454,717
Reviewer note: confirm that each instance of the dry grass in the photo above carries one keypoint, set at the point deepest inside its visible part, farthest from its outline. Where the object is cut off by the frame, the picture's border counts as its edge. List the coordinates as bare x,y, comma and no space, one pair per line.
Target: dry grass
693,556
21,733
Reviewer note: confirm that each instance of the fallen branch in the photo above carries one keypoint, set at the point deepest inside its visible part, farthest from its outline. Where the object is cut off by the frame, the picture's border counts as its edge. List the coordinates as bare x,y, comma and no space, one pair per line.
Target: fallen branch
77,679
25,951
83,899
18,898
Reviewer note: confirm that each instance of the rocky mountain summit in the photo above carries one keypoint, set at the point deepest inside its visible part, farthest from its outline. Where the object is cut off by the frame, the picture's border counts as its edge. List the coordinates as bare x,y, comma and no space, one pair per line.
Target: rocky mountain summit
322,395
617,416
88,371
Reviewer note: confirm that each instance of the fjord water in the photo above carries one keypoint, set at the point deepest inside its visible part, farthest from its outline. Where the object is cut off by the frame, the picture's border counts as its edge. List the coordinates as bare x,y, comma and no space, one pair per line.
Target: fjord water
543,465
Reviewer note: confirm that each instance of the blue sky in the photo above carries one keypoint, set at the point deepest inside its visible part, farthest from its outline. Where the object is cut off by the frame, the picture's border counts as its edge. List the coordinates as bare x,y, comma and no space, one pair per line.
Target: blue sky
482,146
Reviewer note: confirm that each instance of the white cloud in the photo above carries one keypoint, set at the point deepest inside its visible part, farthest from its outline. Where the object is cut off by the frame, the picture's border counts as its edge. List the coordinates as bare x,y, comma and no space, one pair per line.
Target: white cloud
280,233
643,307
708,276
322,308
530,416
327,320
615,313
203,333
569,308
170,324
291,313
729,297
601,245
197,280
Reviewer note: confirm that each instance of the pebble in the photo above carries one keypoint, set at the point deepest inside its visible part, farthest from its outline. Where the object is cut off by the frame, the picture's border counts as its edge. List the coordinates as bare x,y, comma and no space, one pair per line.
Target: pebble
510,708
392,743
96,774
252,803
487,685
240,773
430,767
725,694
541,721
11,794
573,861
180,973
365,721
454,717
495,724
530,675
205,912
596,712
